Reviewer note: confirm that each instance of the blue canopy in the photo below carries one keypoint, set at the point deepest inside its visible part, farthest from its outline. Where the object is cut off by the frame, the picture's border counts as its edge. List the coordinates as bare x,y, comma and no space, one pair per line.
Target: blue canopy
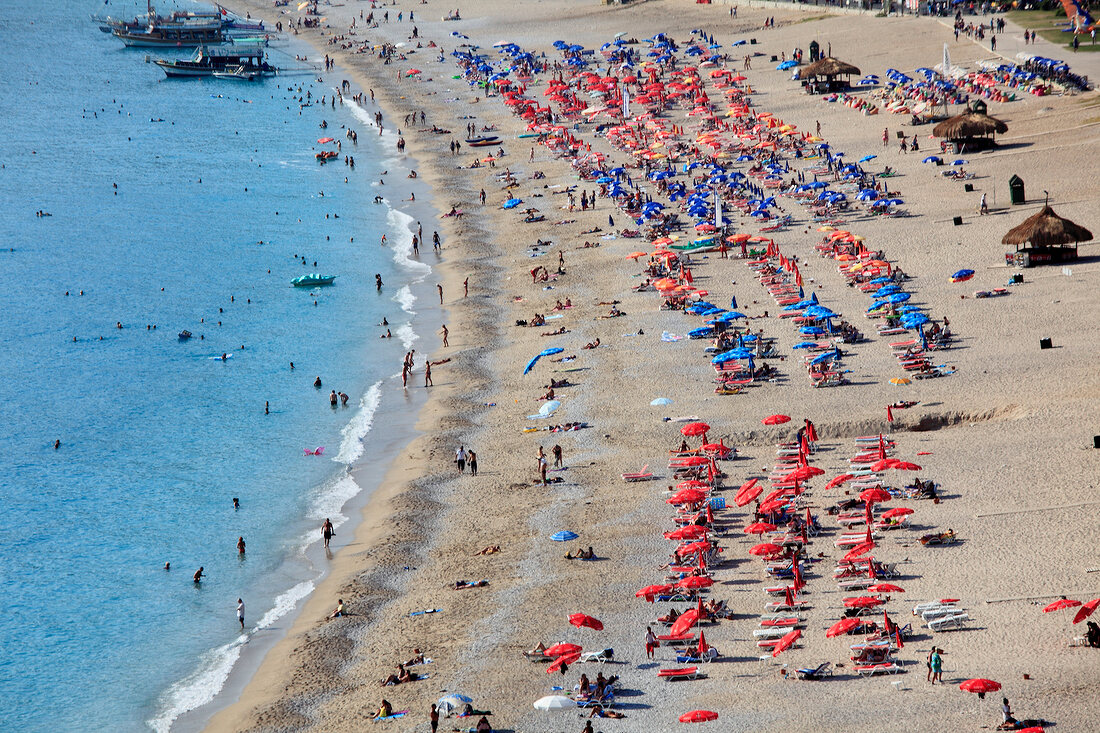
899,298
511,203
564,536
545,352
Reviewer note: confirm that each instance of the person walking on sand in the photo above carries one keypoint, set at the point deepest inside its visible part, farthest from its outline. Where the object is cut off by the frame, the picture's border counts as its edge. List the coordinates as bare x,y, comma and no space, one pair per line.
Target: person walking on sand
433,718
460,458
983,207
556,450
472,460
240,612
428,373
439,287
466,288
650,642
327,531
885,137
445,333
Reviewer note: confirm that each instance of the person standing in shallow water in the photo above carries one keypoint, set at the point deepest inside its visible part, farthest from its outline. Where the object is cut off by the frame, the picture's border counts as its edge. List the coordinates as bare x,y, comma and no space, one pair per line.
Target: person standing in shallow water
327,531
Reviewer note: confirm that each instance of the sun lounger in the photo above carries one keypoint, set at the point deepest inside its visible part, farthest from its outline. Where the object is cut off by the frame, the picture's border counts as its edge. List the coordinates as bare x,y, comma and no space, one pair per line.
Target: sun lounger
770,633
682,673
709,656
920,608
868,670
538,657
642,475
672,640
931,614
606,701
955,621
777,606
604,655
825,669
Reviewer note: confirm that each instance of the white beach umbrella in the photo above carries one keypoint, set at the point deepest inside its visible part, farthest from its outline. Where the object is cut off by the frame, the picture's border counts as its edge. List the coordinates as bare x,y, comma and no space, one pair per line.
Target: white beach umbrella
555,702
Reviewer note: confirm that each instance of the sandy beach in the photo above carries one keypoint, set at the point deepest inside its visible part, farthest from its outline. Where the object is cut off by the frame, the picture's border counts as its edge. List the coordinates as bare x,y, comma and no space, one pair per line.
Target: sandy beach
1007,435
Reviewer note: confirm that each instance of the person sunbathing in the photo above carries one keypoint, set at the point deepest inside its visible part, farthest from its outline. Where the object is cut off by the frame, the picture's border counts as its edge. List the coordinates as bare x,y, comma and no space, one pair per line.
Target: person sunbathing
592,344
599,712
385,710
469,711
559,332
539,648
461,584
417,658
490,550
483,726
339,610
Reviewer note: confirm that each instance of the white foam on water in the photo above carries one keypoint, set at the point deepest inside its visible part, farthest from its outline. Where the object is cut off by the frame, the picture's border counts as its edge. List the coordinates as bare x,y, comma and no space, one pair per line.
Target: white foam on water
202,685
351,445
328,502
405,298
407,335
402,227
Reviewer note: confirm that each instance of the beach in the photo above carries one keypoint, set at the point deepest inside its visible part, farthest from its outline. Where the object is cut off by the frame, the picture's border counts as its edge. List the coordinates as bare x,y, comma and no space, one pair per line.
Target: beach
1007,434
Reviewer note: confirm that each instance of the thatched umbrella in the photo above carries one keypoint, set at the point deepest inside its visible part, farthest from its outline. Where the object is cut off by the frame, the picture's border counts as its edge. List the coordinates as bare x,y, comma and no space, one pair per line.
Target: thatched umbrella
969,125
827,67
1046,229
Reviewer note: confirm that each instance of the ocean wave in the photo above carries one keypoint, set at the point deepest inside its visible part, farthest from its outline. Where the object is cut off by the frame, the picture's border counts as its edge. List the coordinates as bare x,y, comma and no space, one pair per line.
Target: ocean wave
402,227
202,685
328,502
407,335
351,444
404,297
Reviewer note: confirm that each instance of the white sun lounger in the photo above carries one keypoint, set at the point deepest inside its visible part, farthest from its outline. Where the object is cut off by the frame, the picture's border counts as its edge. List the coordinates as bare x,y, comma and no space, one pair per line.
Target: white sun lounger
956,621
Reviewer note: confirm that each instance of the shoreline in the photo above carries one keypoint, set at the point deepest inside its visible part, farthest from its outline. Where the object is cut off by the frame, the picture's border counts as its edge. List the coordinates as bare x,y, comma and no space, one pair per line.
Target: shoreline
406,527
384,442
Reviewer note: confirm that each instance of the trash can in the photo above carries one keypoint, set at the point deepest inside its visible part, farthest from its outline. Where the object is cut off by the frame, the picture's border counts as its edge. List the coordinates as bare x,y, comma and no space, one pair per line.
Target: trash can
1016,190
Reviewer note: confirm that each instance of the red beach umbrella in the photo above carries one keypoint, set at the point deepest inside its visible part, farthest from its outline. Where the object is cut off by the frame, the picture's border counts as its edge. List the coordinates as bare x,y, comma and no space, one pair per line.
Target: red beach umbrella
695,581
692,484
883,464
765,549
860,549
900,511
773,506
653,590
759,528
581,620
562,661
842,478
687,496
748,485
695,461
885,588
693,429
875,495
776,419
786,642
1086,610
562,650
1059,605
698,716
980,686
863,602
745,497
684,622
690,532
906,466
694,547
843,626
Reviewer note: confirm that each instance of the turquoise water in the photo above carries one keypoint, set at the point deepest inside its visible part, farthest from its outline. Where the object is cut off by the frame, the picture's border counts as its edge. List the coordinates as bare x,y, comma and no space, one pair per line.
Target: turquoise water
156,436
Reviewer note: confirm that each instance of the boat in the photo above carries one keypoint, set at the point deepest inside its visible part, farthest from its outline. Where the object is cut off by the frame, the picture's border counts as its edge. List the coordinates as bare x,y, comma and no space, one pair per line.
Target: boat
185,334
228,21
483,141
183,34
228,61
240,74
311,280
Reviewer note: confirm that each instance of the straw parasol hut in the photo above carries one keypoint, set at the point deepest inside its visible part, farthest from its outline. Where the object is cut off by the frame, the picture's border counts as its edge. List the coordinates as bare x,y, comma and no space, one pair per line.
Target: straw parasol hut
1047,236
827,68
971,127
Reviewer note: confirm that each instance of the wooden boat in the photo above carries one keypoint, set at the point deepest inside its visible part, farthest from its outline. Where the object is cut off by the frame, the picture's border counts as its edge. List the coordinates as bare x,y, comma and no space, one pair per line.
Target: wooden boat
230,61
483,141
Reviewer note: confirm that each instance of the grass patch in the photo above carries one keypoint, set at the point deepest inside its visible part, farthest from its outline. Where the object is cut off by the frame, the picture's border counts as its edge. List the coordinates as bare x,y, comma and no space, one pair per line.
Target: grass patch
1049,24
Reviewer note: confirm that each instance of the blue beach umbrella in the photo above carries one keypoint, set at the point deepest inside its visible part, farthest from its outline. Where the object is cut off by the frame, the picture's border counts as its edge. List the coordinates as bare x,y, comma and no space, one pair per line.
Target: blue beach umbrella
661,402
932,159
545,352
564,536
511,203
899,298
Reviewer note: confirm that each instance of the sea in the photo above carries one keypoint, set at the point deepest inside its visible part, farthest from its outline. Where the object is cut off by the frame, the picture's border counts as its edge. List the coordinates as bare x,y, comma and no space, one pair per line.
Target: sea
172,205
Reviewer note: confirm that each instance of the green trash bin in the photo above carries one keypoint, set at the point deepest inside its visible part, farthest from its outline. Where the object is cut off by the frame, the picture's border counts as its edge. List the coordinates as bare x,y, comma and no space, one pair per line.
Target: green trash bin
1016,191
